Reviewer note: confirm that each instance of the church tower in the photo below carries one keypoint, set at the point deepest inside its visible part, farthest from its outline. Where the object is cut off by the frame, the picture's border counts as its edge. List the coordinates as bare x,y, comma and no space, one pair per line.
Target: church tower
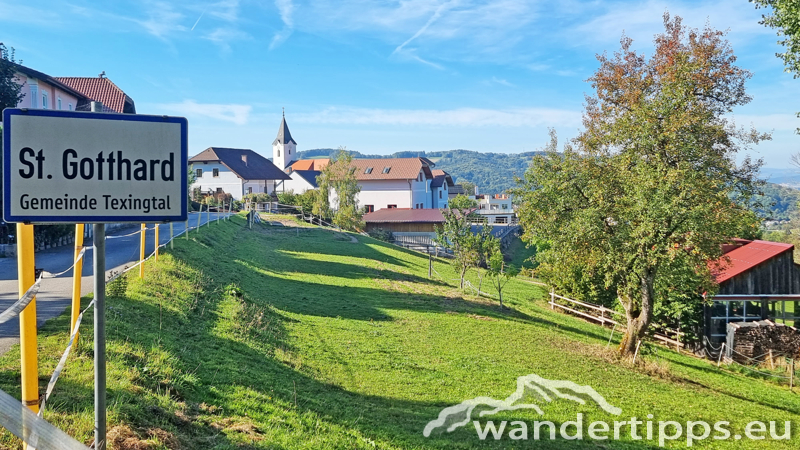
284,148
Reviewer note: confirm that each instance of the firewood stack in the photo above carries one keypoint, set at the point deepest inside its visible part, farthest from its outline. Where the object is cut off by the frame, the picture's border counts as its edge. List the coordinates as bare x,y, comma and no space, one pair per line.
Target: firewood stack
751,342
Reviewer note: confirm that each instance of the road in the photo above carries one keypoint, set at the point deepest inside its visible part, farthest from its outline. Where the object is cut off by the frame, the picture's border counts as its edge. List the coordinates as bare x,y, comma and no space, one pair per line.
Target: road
55,293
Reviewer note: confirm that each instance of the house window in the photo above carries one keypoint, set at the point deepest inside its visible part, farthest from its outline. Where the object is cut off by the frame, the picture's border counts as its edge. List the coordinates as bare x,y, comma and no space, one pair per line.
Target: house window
386,169
69,106
391,206
215,172
440,195
59,103
219,190
368,171
34,96
198,173
250,190
44,100
279,153
369,208
505,205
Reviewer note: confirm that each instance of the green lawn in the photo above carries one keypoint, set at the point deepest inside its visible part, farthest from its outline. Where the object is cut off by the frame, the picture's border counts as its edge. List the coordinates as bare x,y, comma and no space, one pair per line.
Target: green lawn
520,254
265,339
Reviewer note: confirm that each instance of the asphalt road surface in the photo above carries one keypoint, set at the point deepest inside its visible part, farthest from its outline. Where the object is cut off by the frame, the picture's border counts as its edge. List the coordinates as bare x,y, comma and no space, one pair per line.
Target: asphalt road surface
55,294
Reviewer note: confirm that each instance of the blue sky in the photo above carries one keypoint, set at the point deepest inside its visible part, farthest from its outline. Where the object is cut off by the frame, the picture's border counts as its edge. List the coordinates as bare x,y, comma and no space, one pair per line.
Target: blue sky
380,76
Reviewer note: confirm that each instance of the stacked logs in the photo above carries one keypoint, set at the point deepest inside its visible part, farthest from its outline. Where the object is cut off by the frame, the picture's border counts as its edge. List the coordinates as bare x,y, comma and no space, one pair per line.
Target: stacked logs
753,342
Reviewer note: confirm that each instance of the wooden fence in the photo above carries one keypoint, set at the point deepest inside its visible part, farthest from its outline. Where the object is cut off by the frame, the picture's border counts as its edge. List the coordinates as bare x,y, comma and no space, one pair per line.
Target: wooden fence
605,316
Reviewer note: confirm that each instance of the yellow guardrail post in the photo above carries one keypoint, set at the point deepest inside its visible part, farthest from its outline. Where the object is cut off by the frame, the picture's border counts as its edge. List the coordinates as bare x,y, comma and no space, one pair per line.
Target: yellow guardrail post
26,274
76,279
142,243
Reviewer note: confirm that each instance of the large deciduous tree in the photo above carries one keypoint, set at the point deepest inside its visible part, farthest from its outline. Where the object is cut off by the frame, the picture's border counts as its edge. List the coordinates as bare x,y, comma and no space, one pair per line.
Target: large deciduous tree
785,17
650,189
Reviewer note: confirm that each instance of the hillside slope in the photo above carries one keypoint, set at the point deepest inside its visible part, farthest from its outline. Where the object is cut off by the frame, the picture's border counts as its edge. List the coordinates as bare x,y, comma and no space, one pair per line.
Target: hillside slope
301,339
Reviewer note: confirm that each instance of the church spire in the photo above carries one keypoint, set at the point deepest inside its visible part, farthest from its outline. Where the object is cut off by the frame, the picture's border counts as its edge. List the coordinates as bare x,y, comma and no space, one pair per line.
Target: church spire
284,136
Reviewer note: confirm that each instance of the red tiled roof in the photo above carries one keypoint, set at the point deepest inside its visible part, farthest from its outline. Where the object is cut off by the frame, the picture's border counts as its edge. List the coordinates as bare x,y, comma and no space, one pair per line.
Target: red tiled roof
100,90
399,215
744,258
399,168
310,164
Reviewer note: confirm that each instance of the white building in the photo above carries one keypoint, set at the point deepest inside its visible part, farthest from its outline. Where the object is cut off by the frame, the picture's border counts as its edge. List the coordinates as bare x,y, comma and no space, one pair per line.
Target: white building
496,208
234,171
385,183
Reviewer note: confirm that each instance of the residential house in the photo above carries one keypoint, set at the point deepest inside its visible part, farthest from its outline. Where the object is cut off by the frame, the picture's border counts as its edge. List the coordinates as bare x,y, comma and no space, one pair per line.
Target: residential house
234,171
99,89
441,185
45,92
70,93
385,183
496,208
456,191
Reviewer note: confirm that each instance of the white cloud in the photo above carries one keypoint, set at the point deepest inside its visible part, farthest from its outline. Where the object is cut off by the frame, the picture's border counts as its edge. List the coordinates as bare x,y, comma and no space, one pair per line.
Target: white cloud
286,10
162,19
227,10
234,113
436,14
502,81
224,36
641,21
460,117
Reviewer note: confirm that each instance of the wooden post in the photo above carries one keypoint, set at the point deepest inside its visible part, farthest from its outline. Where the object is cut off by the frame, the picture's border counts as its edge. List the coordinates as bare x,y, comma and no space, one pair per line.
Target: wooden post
635,354
611,335
171,236
430,263
791,376
771,362
552,299
721,350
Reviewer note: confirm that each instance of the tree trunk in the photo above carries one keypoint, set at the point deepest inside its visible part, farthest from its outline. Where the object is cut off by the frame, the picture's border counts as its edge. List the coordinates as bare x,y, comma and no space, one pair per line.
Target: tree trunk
639,316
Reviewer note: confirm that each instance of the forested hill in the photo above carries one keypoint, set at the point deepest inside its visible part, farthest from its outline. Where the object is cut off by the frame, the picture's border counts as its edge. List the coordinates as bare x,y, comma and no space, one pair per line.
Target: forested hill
493,173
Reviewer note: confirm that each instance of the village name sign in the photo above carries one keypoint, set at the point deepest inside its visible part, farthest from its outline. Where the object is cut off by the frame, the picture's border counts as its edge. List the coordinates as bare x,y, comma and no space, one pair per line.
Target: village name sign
76,167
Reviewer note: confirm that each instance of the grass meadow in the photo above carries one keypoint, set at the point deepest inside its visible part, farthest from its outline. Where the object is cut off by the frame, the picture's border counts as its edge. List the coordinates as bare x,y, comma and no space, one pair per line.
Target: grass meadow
278,338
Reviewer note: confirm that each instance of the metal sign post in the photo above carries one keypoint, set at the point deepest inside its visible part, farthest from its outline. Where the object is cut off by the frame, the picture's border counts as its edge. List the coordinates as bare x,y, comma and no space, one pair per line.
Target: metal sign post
78,167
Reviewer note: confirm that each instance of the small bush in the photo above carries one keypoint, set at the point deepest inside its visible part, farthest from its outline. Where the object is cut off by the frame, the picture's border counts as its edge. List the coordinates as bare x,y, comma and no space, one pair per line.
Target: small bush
381,234
118,287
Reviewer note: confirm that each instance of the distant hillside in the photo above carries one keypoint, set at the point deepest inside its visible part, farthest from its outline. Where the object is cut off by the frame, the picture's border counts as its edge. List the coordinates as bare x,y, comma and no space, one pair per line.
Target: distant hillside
781,202
493,173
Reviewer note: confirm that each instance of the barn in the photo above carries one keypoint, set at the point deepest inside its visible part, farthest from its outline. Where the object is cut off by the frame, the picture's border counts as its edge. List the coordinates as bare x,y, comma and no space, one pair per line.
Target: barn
758,280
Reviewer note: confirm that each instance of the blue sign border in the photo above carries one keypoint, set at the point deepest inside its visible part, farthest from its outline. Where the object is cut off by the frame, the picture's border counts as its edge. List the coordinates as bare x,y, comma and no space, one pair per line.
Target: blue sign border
184,158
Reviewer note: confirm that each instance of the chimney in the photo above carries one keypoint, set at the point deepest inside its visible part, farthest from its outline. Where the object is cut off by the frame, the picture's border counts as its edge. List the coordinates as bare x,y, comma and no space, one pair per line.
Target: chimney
244,158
